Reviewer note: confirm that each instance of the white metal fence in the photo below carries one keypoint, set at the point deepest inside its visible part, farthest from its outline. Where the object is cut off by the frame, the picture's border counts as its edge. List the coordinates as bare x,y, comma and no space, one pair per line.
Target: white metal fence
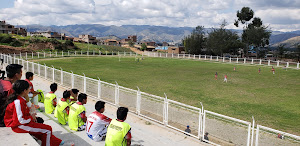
223,130
237,60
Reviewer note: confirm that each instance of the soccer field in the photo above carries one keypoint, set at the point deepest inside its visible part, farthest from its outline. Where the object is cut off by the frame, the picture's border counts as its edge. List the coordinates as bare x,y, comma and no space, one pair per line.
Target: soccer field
273,100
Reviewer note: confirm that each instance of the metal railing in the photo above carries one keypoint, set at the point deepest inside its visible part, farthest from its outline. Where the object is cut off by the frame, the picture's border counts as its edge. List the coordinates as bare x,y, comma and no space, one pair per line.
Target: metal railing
223,129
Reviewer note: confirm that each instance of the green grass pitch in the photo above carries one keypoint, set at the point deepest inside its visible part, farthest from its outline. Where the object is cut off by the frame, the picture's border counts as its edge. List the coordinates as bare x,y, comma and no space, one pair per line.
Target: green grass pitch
274,100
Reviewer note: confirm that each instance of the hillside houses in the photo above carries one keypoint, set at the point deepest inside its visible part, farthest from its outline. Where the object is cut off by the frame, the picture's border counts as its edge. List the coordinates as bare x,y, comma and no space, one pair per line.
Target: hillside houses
11,29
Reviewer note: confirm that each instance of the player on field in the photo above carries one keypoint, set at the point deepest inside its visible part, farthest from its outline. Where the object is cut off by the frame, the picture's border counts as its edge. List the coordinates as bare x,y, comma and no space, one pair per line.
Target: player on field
17,117
96,124
77,116
50,99
225,78
273,70
62,109
259,70
216,76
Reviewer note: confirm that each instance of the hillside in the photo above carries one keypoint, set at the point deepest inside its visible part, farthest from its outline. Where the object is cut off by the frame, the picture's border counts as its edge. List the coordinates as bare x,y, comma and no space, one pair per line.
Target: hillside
289,43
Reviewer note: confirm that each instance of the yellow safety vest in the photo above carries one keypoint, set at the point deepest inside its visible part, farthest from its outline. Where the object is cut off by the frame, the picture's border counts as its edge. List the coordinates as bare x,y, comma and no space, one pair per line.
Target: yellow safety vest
60,113
40,96
70,100
48,103
75,120
116,133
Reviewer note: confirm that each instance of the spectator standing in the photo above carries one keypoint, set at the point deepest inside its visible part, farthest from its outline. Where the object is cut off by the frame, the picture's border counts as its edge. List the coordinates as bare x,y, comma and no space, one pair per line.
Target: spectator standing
96,124
77,116
62,109
50,99
118,131
17,117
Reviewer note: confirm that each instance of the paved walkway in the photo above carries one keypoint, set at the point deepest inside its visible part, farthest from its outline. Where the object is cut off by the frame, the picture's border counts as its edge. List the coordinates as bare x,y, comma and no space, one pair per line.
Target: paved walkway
144,132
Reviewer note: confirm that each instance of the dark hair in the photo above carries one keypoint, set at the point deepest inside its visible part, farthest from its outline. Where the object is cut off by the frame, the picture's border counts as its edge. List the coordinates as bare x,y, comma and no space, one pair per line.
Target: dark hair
66,94
28,75
13,69
75,91
53,87
122,113
99,105
82,96
18,87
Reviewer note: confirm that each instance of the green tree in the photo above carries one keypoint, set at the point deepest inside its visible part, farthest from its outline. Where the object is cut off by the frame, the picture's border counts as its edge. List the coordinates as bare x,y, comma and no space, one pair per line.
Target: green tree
254,32
131,43
195,42
143,47
222,40
281,49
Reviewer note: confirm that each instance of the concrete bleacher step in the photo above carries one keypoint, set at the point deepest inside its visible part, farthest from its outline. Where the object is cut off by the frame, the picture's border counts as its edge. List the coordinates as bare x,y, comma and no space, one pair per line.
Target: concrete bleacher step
8,137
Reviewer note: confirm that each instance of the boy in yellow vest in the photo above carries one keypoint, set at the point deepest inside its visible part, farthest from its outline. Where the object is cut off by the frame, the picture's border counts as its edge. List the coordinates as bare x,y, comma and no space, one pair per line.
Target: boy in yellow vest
50,99
119,132
77,116
62,109
73,98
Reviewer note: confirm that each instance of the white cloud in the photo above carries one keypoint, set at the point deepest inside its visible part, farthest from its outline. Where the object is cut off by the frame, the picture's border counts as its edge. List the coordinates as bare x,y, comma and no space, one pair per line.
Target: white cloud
208,13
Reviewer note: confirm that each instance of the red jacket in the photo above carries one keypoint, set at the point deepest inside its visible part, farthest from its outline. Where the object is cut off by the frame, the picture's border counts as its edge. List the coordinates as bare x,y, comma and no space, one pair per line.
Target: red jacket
17,113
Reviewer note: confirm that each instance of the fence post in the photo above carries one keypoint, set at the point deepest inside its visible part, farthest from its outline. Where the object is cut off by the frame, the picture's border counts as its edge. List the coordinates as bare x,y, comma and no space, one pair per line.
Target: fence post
100,53
31,54
53,75
172,55
194,56
93,52
106,53
27,66
138,101
205,57
20,54
84,83
217,58
130,54
189,56
68,53
269,62
237,60
61,76
32,67
159,54
50,54
287,64
44,54
45,71
19,61
39,69
210,57
38,54
230,59
72,79
56,53
223,59
166,55
99,88
257,135
252,61
260,61
81,52
277,63
252,137
298,65
244,60
117,94
199,56
166,104
14,58
26,55
62,53
178,55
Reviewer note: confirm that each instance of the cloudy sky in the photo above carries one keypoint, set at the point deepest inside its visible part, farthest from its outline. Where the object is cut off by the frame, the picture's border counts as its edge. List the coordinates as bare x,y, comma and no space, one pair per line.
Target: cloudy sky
282,15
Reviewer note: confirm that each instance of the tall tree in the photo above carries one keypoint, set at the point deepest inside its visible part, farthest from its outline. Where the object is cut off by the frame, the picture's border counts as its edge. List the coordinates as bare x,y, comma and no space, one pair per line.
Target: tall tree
195,42
280,50
222,40
254,32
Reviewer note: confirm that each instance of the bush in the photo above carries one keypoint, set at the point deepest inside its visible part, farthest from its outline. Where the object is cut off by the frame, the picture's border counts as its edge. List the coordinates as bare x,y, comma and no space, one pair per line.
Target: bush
69,43
5,38
16,43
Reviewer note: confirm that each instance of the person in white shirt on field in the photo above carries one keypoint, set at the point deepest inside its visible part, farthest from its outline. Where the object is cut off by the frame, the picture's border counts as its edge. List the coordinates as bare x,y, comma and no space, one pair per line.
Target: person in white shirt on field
96,124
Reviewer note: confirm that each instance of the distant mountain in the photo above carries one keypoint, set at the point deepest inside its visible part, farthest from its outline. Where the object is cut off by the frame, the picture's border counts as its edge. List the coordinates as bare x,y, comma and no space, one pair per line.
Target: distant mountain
289,43
143,32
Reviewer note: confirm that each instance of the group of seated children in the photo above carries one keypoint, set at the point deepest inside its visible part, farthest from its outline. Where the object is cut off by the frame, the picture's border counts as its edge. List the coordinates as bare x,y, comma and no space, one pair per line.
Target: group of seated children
21,100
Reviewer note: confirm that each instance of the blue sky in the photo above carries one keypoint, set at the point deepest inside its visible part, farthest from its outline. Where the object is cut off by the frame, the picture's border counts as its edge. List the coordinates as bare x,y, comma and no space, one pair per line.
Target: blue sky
6,3
279,15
